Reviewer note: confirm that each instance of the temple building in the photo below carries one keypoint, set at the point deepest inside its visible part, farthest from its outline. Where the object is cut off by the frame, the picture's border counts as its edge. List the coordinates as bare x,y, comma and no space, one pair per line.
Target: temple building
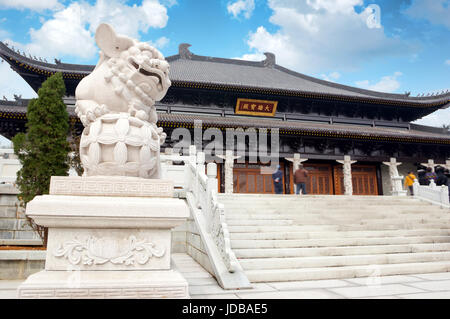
318,122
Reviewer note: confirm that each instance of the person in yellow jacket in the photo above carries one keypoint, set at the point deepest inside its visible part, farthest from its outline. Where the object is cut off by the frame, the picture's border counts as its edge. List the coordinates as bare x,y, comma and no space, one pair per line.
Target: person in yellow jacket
409,181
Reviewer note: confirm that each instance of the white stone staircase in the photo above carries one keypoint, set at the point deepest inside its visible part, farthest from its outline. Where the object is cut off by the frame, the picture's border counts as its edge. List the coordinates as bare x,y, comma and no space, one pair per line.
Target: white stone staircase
288,238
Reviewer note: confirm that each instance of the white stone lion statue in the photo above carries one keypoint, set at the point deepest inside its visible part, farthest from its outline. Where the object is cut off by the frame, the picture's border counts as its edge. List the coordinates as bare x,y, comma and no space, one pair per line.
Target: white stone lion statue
116,104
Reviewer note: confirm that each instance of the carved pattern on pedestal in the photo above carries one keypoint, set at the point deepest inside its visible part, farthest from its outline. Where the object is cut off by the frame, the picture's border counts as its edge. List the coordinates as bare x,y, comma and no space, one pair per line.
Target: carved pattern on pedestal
125,292
133,143
109,187
93,251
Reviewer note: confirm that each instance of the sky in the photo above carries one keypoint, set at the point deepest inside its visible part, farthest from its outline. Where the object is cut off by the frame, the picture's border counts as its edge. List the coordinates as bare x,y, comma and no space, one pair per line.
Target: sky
392,46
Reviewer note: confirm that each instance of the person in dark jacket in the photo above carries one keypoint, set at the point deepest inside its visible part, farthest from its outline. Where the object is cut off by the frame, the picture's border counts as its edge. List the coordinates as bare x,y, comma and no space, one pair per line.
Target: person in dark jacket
447,174
300,176
278,181
421,176
441,178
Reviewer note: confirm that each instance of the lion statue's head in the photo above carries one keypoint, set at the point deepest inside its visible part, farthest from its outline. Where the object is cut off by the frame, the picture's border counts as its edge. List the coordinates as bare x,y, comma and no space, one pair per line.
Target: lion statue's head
129,77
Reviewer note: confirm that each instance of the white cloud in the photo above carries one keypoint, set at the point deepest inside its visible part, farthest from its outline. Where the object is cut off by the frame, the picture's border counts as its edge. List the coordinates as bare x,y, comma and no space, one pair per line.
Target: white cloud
12,83
447,62
70,32
387,84
318,35
252,57
437,118
435,11
332,77
37,5
245,7
160,43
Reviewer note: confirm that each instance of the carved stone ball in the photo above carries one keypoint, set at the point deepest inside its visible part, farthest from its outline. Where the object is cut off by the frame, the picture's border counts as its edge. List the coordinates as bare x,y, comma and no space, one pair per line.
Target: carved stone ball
120,145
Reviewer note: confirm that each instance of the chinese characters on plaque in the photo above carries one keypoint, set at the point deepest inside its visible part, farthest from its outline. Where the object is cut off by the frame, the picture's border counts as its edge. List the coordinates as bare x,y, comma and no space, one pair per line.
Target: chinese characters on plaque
256,107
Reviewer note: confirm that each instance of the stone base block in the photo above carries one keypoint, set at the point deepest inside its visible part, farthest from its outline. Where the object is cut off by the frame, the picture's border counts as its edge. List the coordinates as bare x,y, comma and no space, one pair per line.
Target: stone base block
399,193
104,285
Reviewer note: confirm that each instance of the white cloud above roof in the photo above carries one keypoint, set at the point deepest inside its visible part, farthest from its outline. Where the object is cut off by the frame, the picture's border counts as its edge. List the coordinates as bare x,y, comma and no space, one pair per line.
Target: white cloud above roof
70,31
319,35
387,84
12,83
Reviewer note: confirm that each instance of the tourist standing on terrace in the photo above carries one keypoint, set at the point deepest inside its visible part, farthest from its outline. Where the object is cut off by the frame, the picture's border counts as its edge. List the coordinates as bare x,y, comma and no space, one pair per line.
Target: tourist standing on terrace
300,177
278,181
409,181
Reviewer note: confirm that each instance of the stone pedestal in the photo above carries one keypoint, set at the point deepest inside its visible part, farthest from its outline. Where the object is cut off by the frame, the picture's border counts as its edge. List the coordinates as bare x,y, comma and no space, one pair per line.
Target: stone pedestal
397,189
396,179
107,239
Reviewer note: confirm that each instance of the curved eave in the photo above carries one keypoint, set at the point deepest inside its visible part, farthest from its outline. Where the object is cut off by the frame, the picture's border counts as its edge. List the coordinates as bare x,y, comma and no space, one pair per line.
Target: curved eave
345,98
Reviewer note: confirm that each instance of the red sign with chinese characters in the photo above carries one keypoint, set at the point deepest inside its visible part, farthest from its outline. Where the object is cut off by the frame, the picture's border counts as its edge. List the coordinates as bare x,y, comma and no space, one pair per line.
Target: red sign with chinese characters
256,107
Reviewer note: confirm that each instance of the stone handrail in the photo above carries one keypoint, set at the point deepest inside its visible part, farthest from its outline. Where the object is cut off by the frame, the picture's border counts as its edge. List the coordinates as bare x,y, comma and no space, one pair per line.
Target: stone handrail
209,215
437,195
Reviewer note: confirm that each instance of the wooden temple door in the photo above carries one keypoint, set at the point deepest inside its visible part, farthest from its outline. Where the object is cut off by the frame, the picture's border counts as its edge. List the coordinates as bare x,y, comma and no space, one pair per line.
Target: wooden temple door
247,178
320,179
364,179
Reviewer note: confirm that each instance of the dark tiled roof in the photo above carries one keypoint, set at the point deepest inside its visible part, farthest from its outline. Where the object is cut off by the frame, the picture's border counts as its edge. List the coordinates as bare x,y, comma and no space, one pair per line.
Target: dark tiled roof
265,76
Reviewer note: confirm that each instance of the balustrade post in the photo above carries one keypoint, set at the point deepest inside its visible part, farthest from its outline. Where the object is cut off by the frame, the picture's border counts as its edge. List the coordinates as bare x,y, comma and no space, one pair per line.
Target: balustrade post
188,176
432,184
444,195
211,191
200,169
416,188
229,163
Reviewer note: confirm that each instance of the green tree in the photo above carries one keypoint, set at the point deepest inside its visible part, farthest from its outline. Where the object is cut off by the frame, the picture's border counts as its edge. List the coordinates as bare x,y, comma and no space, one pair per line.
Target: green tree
43,149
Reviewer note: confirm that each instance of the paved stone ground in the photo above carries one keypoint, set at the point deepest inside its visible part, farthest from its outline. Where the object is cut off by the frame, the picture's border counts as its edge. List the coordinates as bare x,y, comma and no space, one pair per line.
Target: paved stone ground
203,286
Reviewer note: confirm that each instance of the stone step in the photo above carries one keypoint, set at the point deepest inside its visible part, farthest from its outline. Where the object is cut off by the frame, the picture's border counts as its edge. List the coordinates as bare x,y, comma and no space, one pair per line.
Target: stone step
283,197
336,242
345,227
338,251
270,275
322,205
289,228
335,220
341,261
259,222
368,211
331,234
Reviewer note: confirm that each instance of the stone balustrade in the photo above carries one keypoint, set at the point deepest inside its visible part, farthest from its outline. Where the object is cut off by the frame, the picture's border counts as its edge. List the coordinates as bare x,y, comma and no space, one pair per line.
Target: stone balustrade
431,193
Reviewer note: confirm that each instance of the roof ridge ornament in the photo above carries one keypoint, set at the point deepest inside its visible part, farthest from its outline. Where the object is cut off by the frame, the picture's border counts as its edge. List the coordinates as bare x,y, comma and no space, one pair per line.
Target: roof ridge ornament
270,60
183,51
